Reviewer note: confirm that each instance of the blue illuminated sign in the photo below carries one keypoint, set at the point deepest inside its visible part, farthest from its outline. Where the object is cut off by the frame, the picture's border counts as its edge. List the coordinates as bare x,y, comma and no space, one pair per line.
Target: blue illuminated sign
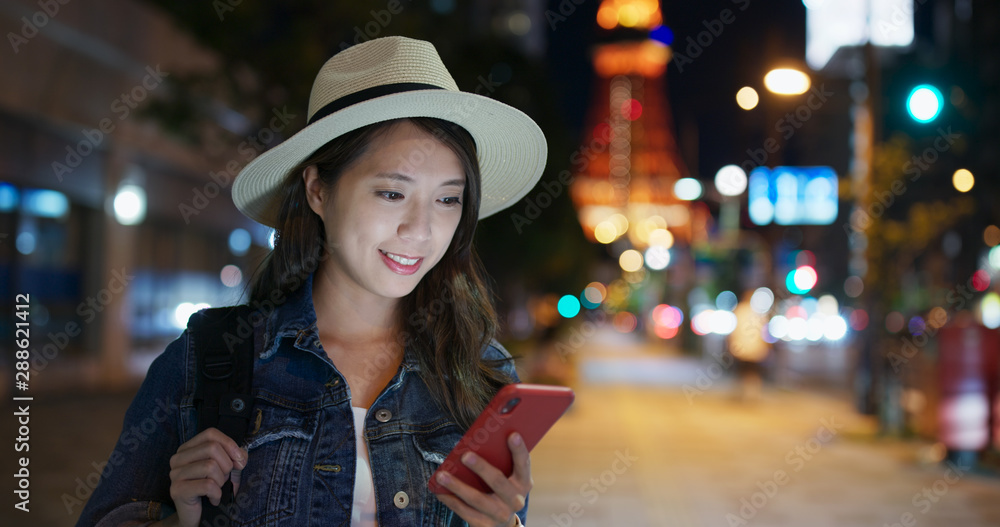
793,195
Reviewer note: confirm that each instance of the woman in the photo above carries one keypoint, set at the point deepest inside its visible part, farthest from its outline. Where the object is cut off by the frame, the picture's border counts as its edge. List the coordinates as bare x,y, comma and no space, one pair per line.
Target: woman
378,352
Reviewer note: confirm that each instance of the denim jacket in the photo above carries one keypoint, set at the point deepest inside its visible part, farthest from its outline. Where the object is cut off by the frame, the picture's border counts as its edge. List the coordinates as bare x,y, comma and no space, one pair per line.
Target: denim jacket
302,451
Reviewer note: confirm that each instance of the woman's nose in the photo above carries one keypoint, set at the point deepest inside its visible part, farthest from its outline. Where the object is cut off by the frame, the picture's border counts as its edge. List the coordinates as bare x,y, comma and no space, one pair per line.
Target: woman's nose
416,224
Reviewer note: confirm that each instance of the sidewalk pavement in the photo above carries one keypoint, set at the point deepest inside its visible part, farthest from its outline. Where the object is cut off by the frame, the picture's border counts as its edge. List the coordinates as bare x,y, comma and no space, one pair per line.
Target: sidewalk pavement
673,454
652,453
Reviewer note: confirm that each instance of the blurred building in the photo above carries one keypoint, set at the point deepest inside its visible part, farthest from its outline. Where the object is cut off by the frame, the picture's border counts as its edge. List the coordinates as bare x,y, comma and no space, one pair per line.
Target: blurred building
107,221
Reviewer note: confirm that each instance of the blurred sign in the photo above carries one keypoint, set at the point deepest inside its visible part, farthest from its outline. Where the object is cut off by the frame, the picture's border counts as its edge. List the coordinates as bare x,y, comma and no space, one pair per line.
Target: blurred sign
793,195
832,24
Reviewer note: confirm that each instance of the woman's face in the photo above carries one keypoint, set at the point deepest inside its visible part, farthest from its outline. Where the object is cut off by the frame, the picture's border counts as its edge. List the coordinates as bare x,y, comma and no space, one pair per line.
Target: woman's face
391,215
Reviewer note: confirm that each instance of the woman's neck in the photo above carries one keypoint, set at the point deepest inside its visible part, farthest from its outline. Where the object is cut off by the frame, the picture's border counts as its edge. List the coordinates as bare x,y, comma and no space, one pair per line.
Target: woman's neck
343,315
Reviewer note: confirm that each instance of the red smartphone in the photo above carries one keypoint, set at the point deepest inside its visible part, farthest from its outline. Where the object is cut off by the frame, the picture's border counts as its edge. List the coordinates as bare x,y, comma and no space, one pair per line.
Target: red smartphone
528,409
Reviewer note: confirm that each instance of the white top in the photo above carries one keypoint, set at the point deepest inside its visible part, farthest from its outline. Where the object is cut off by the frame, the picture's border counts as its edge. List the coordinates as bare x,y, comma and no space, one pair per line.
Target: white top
363,511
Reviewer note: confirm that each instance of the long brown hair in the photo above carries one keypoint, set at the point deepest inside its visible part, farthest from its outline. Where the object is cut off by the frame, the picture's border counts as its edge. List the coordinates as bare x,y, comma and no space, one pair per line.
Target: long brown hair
448,319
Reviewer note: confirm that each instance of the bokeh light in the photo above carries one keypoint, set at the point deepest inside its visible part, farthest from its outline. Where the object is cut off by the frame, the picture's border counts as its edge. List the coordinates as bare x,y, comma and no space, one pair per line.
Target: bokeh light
747,98
231,276
624,322
924,103
731,180
593,295
630,260
980,280
605,232
762,300
726,300
854,286
963,180
661,237
937,318
894,322
916,325
568,306
991,236
859,319
990,310
631,109
687,189
657,257
786,81
239,241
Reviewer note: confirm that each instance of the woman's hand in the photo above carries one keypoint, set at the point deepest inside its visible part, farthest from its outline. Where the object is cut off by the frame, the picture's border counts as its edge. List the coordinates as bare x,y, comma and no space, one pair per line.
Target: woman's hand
509,494
201,467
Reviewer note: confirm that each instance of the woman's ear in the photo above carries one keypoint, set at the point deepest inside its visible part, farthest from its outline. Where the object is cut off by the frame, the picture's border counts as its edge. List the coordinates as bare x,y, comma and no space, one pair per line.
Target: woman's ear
315,191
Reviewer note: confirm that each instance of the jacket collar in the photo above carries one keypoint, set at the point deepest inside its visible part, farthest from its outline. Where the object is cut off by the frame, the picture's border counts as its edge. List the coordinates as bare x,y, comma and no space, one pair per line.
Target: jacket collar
294,316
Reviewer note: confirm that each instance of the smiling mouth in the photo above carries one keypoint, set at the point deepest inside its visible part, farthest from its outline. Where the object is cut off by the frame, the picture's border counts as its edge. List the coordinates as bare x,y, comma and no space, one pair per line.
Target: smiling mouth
400,259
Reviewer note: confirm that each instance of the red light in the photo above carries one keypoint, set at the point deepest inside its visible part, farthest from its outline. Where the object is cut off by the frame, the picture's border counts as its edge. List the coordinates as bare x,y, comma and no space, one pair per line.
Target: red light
980,280
602,133
625,322
665,332
803,258
797,312
631,109
858,319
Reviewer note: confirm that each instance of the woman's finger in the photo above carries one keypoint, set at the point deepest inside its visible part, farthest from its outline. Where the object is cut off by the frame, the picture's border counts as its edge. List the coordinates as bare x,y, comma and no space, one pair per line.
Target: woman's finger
522,462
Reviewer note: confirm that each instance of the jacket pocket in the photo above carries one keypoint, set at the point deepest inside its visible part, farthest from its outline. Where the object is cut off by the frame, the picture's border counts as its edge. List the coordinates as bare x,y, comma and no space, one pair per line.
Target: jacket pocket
433,448
277,450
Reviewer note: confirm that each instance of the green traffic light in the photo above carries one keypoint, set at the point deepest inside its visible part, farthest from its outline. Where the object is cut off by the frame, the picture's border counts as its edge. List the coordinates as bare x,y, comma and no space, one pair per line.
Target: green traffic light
924,103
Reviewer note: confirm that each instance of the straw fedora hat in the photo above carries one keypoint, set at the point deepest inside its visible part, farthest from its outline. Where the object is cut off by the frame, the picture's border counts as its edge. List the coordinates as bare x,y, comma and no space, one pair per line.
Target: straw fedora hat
391,78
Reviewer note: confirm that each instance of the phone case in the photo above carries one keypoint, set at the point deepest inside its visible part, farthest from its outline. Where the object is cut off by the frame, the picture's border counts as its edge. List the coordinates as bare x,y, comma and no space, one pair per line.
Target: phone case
528,409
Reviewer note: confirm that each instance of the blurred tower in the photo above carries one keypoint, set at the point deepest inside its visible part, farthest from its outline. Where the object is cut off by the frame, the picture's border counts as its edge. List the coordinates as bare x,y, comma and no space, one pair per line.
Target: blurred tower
629,161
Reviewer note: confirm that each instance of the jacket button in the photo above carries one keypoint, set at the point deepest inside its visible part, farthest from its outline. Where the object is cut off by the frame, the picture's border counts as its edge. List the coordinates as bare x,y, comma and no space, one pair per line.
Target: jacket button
384,415
401,500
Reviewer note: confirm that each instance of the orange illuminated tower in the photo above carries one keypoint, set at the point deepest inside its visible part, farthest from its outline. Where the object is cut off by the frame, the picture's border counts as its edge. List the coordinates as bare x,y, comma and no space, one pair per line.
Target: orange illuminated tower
628,162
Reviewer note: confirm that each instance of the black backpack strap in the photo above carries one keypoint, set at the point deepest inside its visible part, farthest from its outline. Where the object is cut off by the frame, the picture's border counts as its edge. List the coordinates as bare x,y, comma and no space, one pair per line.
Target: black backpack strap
223,343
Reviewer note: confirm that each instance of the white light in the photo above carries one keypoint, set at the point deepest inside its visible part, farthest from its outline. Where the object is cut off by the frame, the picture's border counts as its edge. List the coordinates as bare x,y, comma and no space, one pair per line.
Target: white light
835,328
130,205
657,257
731,180
231,276
797,328
778,327
827,305
687,189
990,309
762,300
272,238
786,81
701,323
815,327
995,257
723,322
184,310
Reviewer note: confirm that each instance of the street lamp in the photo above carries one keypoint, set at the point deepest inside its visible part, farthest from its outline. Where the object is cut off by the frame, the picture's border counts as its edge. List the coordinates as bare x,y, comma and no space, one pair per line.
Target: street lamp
786,81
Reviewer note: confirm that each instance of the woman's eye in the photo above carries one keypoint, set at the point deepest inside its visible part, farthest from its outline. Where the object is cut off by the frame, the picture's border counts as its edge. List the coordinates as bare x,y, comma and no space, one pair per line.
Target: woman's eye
390,195
452,201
